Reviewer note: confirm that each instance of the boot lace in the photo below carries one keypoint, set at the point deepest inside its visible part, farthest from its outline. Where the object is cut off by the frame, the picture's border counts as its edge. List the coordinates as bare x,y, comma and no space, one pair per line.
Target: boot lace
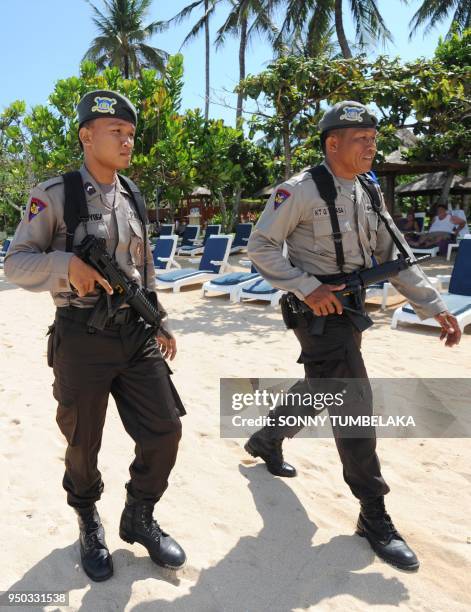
149,523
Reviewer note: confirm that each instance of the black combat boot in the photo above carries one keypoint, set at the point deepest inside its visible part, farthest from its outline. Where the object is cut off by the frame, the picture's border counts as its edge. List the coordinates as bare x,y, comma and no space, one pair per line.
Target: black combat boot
138,525
271,452
375,524
96,558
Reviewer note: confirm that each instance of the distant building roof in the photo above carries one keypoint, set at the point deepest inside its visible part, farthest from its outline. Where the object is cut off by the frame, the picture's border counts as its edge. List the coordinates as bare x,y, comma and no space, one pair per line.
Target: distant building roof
432,183
201,191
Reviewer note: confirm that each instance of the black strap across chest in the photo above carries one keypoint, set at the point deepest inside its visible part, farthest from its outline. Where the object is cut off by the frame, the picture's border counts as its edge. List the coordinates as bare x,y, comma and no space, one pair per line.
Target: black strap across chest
328,192
76,209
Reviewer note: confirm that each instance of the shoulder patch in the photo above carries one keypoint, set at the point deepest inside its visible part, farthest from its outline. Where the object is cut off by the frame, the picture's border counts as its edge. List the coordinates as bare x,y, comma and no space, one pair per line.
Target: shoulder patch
35,207
56,180
280,196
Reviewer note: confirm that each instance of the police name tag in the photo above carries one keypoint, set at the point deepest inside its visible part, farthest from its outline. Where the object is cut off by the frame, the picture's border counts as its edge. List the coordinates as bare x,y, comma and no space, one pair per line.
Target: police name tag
323,211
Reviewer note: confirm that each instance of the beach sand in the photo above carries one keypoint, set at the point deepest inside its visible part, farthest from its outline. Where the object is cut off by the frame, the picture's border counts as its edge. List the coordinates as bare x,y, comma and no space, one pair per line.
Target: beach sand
255,543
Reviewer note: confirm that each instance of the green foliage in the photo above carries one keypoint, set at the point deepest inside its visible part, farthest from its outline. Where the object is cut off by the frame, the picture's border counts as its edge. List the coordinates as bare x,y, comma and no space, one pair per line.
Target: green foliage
432,96
173,150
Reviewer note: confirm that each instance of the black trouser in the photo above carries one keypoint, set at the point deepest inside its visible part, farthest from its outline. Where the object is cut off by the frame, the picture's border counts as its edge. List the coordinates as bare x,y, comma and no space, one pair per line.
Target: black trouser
124,360
336,354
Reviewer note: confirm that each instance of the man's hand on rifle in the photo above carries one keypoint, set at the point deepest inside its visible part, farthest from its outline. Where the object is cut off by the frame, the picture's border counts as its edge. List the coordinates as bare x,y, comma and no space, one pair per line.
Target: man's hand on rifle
167,345
323,301
450,328
84,278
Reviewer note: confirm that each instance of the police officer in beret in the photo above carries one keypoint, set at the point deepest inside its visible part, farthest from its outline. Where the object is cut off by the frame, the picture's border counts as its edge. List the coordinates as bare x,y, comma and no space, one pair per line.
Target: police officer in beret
126,358
328,237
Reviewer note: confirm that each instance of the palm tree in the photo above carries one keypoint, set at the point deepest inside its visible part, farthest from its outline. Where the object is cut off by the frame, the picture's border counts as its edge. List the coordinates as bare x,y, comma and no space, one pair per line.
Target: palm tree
122,38
369,24
247,18
209,7
432,12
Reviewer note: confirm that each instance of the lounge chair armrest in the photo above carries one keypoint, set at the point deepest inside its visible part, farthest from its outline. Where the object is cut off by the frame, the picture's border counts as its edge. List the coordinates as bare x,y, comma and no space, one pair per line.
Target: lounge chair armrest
163,258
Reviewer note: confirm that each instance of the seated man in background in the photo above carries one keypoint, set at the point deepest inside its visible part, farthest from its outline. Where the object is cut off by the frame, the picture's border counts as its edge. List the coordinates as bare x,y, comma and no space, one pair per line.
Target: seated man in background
409,223
443,230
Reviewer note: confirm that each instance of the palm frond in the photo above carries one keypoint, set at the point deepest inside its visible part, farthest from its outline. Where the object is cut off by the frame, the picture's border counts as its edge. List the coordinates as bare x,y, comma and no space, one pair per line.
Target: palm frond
430,13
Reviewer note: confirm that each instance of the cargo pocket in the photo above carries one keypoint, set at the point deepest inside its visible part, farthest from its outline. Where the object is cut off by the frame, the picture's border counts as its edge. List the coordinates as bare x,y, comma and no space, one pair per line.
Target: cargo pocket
136,247
66,416
324,240
52,343
180,408
51,333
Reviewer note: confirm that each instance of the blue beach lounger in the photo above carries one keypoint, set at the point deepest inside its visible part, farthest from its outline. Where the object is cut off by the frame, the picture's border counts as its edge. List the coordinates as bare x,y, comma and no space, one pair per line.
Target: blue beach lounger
457,299
230,283
197,248
164,252
242,235
190,234
212,263
166,229
260,289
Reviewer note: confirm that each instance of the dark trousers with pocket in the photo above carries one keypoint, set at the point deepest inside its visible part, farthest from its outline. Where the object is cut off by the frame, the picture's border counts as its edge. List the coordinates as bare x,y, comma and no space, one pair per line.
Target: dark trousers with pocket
124,360
336,354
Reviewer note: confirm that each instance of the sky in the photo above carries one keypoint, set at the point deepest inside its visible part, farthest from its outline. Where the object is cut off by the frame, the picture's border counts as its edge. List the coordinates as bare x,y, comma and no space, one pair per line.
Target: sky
42,41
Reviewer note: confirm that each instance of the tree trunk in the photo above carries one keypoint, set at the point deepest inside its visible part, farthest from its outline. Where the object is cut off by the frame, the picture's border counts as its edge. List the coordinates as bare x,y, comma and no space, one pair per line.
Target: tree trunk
287,149
467,197
206,41
126,66
222,206
236,206
340,31
242,49
445,193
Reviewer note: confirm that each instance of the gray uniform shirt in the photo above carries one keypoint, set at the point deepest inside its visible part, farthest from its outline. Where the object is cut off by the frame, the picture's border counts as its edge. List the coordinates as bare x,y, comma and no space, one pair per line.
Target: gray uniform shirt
295,213
36,259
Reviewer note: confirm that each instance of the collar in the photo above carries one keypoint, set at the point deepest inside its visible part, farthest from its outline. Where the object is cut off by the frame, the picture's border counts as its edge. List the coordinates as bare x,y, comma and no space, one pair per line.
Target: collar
90,184
340,183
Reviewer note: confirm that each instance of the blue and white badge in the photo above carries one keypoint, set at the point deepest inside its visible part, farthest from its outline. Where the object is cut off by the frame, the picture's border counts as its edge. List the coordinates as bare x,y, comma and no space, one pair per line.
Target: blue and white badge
353,113
104,105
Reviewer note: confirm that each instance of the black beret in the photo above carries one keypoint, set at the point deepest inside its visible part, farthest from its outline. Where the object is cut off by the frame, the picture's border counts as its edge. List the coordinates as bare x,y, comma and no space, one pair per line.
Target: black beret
105,103
346,115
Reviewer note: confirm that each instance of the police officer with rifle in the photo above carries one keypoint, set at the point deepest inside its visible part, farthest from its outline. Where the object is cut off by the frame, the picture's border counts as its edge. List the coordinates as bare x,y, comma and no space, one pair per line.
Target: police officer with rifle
336,226
84,240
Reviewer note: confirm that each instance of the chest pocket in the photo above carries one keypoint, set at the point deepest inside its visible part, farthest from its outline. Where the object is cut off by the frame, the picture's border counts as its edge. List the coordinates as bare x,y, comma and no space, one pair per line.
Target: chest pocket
324,239
136,245
372,219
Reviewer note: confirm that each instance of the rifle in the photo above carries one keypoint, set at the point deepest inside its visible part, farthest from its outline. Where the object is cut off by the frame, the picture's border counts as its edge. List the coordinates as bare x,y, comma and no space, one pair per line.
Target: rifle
351,296
92,250
357,282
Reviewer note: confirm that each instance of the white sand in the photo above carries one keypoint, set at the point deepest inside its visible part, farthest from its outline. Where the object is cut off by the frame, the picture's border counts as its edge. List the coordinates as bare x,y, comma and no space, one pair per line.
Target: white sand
255,543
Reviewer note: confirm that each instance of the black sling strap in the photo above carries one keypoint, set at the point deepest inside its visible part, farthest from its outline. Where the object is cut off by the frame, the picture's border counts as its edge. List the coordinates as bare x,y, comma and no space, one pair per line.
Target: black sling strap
75,206
76,209
328,192
372,190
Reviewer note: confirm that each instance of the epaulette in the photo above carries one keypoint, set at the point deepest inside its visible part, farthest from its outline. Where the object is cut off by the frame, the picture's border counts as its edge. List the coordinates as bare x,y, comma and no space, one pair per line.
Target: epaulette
56,180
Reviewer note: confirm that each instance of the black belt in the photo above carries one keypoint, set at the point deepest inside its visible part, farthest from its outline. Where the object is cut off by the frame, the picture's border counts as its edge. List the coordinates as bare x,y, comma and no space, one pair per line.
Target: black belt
123,316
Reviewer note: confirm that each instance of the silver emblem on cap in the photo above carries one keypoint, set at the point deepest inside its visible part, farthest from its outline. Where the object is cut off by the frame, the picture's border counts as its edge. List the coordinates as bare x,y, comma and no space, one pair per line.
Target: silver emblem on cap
353,113
104,105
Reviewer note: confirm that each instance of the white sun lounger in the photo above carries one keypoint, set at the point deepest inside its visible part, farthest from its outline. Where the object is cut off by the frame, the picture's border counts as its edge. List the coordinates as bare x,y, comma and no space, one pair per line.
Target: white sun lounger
457,299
